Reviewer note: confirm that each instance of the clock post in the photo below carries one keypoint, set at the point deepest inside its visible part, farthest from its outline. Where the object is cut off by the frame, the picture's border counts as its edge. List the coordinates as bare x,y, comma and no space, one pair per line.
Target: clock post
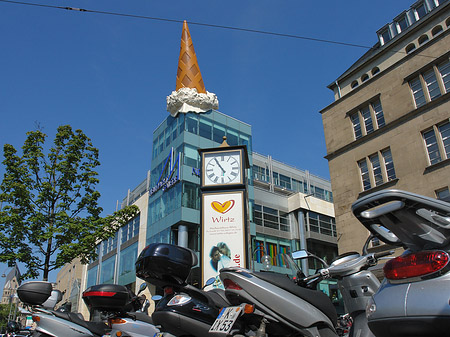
224,219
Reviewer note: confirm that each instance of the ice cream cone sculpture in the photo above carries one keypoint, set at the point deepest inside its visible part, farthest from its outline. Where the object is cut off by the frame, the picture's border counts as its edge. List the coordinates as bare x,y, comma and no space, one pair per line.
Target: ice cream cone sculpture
188,74
190,94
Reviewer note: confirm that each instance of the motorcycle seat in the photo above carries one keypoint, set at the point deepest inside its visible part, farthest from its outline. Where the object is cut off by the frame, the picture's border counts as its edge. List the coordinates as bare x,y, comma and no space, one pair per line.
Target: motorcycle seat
140,316
218,297
314,297
98,328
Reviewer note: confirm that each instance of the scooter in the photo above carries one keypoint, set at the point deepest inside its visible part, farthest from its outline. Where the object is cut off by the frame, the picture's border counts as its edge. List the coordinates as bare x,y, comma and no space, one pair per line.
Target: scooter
52,323
184,310
413,299
283,307
124,311
356,283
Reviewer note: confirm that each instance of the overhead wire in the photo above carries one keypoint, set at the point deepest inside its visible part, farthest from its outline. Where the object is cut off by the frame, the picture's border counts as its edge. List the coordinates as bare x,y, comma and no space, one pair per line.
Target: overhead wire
248,30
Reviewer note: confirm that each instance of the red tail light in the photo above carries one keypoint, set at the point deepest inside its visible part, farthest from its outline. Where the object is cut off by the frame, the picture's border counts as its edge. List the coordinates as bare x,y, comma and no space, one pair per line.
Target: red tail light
99,293
228,284
168,291
415,264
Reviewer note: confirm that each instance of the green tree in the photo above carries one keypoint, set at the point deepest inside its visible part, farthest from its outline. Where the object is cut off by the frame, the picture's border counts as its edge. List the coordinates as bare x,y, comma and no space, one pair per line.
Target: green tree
5,310
50,212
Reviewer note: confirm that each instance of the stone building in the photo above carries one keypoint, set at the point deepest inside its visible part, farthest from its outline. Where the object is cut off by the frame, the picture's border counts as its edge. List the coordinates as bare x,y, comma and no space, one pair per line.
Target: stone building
389,125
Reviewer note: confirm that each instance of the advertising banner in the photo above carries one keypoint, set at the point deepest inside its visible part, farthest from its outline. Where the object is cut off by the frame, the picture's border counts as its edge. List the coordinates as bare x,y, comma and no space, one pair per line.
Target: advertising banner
223,227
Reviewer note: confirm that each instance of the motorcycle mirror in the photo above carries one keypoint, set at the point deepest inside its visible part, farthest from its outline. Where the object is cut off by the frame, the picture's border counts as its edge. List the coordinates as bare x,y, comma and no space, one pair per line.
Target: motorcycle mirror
156,297
142,287
209,281
299,254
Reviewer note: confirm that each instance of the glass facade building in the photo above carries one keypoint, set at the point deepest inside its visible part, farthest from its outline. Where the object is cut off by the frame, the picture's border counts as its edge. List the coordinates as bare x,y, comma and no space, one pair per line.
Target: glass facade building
176,141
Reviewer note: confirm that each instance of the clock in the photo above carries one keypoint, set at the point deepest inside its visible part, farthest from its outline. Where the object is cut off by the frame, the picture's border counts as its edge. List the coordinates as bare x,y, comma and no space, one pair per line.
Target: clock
222,168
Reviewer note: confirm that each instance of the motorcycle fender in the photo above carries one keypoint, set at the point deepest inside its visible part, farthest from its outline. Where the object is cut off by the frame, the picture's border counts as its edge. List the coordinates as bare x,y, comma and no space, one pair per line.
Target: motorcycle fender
390,300
429,298
55,326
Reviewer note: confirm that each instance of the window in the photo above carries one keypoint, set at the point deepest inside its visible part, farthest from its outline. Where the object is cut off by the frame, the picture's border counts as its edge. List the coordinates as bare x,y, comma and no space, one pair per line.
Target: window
444,72
205,129
273,249
424,38
191,156
218,133
388,164
232,137
130,230
271,218
354,84
410,48
285,182
417,91
443,194
322,224
109,245
191,195
364,174
384,35
375,71
108,270
260,173
92,277
127,272
381,169
364,77
437,142
376,169
420,11
365,113
402,23
431,84
356,125
437,30
372,118
191,124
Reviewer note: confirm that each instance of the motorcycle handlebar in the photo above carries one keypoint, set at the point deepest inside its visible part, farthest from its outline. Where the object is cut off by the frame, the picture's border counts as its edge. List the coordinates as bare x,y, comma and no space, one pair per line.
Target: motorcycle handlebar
383,254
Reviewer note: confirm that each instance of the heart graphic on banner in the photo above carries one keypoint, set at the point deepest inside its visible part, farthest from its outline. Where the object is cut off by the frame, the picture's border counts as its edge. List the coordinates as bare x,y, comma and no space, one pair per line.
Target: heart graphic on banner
222,208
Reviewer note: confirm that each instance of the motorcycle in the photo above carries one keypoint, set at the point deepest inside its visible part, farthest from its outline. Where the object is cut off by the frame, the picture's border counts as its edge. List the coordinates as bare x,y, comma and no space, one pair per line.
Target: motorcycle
283,307
184,310
124,311
413,298
356,283
51,323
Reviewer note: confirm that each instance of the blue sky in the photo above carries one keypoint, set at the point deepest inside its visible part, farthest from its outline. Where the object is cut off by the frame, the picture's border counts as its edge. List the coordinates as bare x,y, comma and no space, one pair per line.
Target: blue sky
109,75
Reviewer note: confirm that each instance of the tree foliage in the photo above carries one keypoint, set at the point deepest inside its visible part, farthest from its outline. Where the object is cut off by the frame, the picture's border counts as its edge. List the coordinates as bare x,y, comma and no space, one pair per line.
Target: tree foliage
5,310
50,212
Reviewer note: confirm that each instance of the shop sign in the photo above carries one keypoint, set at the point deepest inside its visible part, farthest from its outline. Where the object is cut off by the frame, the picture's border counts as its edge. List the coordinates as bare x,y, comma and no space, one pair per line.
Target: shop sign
173,167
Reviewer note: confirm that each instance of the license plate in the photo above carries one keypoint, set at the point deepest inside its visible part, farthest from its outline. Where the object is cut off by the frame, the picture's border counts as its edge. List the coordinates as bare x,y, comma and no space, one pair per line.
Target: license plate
225,320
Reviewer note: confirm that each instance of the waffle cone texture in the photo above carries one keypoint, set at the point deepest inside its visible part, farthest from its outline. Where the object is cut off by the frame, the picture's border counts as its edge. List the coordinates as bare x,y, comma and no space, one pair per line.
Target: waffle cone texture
188,74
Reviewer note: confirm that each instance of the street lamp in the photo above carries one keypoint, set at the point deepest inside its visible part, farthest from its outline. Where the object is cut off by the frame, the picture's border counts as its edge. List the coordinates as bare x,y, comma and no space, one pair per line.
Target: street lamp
266,260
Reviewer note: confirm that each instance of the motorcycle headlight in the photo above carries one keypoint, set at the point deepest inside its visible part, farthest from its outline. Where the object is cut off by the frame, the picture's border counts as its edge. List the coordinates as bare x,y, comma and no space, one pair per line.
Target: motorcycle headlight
179,300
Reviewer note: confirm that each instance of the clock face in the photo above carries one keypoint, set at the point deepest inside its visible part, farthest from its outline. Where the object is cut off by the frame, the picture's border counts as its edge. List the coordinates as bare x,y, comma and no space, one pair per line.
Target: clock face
222,168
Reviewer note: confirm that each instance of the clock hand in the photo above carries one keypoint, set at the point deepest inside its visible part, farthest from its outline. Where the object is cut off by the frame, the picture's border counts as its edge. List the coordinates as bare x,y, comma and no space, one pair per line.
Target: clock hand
223,170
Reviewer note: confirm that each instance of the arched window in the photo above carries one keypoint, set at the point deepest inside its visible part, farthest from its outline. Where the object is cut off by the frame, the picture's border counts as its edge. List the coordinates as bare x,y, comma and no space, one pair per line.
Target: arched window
364,77
423,39
436,30
375,71
409,48
447,22
354,84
